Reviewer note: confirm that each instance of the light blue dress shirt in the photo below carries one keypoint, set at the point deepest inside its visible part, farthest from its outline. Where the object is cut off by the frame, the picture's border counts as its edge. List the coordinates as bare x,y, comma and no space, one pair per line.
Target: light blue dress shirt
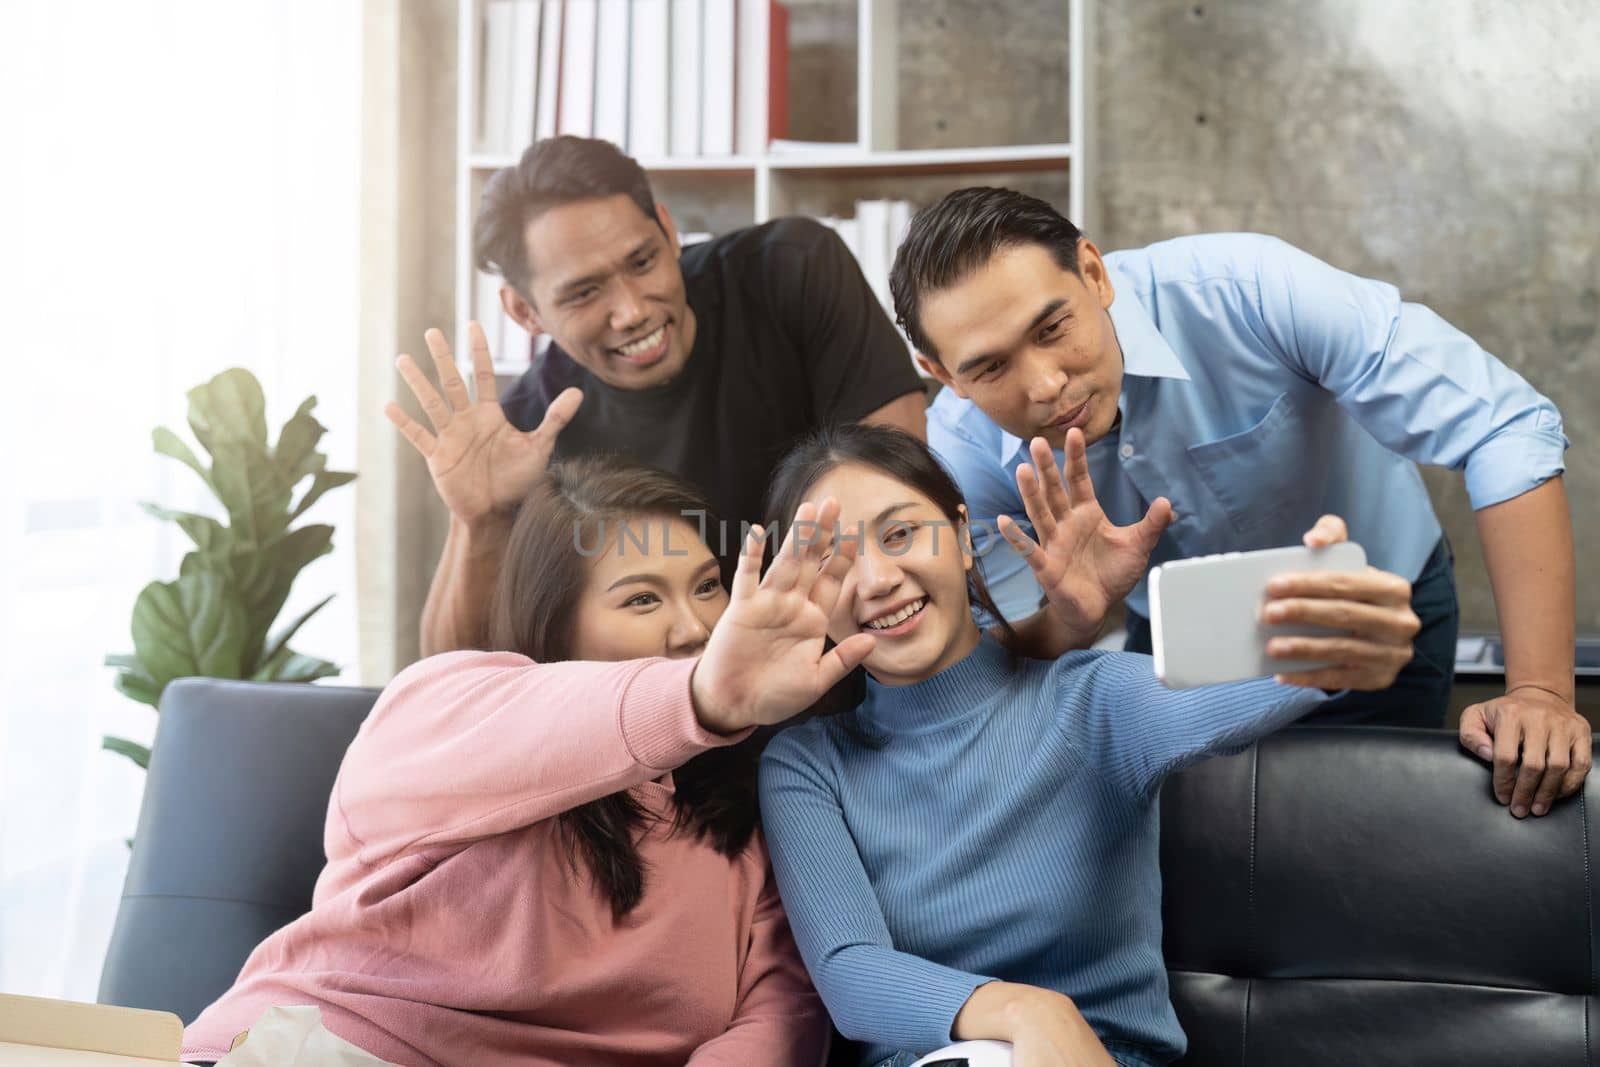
1261,389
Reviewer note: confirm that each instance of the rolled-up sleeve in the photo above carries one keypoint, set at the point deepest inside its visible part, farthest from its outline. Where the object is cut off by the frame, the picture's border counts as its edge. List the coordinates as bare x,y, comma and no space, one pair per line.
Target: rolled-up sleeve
1416,383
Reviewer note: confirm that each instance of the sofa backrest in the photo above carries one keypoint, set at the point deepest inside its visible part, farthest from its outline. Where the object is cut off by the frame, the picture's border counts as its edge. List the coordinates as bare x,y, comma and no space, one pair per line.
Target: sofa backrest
229,842
1337,895
1334,895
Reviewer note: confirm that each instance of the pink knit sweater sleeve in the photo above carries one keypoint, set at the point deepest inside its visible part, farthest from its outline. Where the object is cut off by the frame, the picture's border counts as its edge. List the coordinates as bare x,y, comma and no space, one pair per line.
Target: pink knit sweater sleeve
466,745
779,1019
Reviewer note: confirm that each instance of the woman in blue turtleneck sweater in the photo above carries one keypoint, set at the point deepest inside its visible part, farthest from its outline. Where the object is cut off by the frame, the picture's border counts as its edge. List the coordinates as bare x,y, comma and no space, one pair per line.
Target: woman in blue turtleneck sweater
972,853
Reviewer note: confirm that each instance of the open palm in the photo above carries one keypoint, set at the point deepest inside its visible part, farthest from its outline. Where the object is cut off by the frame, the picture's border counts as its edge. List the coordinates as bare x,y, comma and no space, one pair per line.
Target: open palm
767,659
480,463
1083,561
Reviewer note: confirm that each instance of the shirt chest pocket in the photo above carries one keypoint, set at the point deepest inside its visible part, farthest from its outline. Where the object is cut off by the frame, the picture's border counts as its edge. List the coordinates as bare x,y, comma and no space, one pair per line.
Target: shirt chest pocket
1253,474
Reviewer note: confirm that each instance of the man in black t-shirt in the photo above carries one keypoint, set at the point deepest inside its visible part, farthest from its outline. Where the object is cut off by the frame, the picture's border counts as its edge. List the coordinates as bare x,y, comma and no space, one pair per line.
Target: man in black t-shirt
787,335
708,361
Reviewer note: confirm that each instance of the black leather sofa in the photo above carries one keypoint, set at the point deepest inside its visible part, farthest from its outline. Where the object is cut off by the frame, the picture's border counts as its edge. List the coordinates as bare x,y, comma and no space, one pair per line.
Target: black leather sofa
1333,896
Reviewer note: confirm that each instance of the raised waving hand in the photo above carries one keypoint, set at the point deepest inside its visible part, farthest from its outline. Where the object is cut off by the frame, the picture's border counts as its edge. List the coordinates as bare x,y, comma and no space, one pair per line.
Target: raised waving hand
768,659
481,464
1083,561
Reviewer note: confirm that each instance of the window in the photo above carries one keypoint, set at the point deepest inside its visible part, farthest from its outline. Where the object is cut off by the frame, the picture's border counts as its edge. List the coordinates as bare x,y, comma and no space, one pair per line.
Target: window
182,196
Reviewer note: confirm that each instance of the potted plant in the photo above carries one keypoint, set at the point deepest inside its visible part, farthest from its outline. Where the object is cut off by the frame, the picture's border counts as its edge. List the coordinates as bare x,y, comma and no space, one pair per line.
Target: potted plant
216,618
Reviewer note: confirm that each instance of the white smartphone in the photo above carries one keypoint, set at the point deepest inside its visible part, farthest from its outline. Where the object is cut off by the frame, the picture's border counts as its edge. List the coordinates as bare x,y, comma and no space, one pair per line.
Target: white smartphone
969,1054
1205,613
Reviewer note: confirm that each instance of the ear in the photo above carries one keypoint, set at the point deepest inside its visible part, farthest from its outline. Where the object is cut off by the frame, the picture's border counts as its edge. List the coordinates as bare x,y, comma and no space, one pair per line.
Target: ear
520,310
968,552
934,369
664,217
1094,273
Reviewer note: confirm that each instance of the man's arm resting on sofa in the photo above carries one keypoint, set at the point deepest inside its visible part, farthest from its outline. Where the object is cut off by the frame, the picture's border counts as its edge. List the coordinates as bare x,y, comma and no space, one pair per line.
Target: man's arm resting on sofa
1540,746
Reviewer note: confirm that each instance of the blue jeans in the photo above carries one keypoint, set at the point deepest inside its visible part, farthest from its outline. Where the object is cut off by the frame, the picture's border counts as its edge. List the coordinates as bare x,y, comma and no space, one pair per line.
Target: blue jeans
1420,695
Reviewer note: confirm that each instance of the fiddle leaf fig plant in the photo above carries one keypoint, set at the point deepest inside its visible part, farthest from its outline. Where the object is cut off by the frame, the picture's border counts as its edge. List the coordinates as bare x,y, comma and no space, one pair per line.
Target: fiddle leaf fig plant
216,619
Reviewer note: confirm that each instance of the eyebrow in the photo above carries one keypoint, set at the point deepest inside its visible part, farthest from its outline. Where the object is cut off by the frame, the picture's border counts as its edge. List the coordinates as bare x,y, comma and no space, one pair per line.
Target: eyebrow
1038,320
655,579
890,510
635,579
600,275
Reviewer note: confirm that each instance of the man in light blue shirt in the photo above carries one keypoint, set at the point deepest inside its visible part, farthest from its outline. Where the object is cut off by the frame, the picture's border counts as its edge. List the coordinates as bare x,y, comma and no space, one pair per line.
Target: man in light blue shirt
1257,389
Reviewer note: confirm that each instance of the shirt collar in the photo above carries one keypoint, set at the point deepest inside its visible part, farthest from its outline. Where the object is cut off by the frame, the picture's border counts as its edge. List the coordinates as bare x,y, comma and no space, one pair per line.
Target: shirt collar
1145,353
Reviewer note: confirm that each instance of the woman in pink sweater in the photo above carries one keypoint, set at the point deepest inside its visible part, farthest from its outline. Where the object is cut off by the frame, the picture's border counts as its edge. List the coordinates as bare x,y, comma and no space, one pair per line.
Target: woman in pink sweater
534,860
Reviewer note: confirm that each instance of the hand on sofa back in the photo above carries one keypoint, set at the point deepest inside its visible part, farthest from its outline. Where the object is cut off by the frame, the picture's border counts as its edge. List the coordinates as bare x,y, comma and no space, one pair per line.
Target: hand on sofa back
1344,895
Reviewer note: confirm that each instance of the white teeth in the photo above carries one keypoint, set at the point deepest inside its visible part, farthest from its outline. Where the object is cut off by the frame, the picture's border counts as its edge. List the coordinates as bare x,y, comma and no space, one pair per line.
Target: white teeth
644,344
891,621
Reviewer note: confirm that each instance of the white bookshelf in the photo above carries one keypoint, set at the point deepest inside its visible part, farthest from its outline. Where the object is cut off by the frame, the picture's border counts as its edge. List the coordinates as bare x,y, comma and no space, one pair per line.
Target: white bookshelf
850,161
759,177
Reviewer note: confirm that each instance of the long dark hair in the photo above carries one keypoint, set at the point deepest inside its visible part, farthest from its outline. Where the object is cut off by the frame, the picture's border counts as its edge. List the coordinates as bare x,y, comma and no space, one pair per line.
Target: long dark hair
535,602
894,453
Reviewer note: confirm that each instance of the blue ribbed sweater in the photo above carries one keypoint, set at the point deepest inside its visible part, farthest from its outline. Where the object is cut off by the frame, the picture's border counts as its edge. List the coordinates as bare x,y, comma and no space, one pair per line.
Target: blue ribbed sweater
999,821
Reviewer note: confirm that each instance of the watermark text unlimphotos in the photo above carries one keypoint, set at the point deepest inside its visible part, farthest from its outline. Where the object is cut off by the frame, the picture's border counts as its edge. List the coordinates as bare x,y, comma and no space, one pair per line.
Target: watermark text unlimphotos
648,535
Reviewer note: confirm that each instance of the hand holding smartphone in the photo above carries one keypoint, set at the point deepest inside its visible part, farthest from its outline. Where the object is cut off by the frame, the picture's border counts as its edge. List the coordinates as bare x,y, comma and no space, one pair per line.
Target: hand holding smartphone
1205,613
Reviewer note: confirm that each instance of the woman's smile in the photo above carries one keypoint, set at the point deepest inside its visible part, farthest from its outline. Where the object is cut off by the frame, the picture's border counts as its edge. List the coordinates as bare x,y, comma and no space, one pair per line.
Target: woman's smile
896,621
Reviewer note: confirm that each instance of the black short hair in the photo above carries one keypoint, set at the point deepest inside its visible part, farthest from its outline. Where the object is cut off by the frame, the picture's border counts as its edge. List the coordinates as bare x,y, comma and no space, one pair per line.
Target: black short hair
552,172
959,234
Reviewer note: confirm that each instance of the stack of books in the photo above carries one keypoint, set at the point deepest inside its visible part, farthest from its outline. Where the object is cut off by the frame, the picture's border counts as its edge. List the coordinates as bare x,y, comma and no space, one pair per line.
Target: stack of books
873,237
658,78
509,344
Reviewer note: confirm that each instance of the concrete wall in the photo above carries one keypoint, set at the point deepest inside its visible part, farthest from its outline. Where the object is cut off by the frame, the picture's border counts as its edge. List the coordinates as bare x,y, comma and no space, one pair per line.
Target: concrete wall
1449,146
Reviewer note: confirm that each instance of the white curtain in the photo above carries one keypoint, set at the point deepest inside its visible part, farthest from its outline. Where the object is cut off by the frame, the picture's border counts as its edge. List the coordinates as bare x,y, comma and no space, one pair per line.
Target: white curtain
179,195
